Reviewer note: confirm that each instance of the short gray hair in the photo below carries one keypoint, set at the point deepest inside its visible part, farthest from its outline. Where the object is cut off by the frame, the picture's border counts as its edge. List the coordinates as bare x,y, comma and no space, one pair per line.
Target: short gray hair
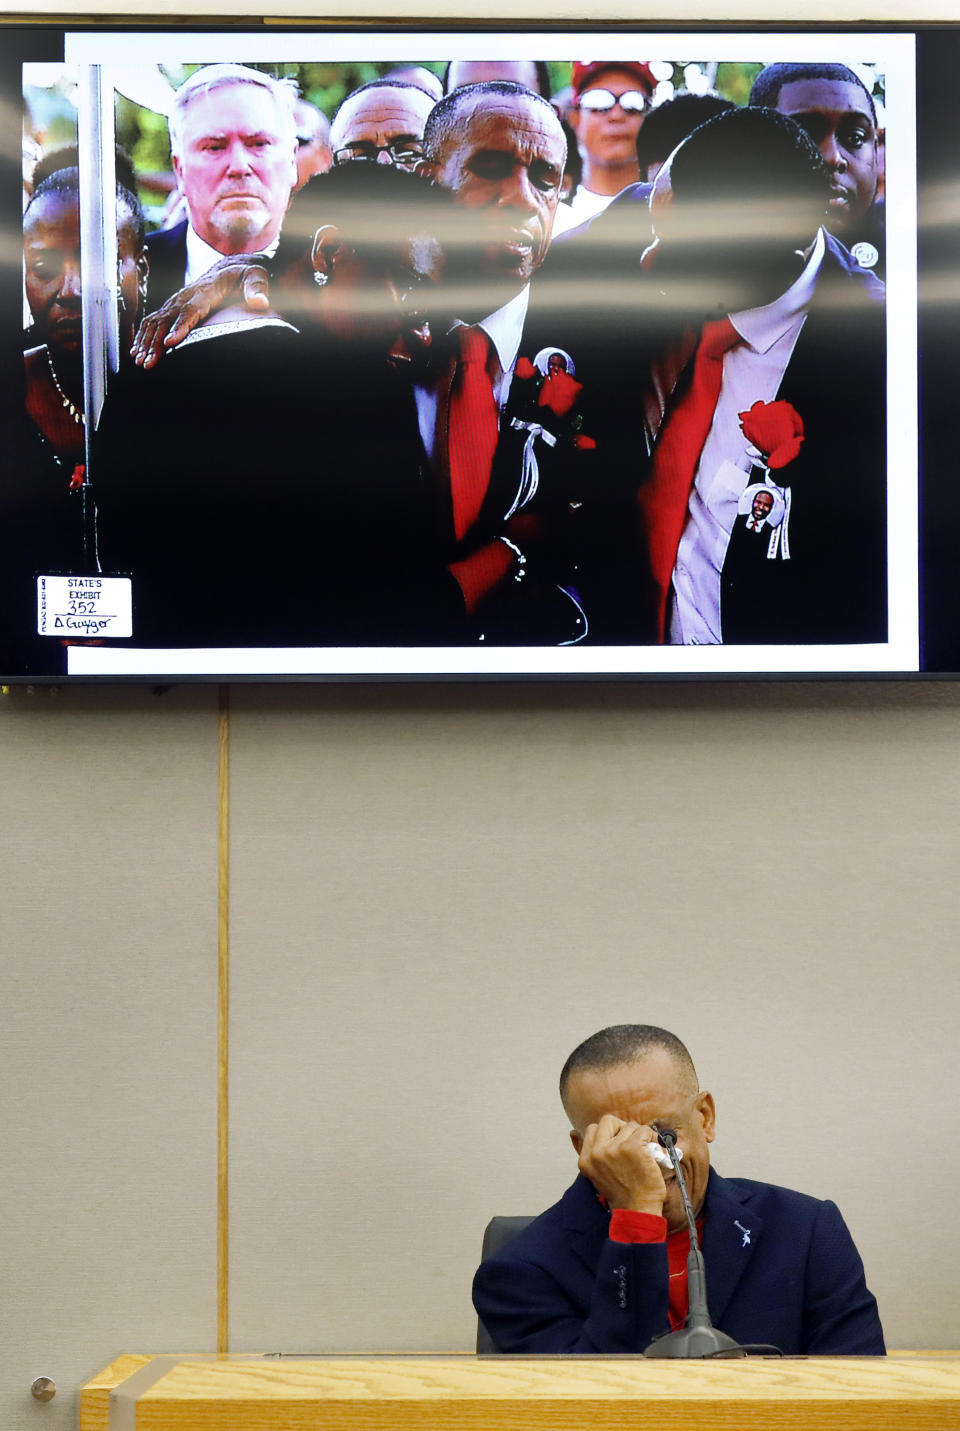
284,93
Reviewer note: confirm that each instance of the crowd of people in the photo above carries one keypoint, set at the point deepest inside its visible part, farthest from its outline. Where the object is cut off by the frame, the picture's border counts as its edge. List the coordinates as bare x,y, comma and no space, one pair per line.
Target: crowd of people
468,362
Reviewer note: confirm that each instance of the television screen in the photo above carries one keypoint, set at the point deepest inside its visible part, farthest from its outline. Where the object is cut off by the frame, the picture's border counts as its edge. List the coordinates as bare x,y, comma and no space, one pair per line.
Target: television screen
406,354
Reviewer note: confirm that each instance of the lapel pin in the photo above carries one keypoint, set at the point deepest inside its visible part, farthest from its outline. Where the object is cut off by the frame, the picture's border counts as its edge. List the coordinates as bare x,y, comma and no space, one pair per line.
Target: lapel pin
865,254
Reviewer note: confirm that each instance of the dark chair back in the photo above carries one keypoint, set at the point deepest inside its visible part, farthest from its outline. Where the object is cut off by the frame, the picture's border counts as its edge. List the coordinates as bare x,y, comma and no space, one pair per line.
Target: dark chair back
499,1231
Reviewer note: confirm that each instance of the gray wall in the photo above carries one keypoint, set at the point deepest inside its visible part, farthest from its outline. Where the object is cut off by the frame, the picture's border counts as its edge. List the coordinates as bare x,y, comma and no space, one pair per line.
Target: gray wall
108,836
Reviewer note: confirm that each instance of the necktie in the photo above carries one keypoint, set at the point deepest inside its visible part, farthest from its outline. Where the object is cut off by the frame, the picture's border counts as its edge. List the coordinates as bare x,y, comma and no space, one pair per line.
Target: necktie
472,429
662,500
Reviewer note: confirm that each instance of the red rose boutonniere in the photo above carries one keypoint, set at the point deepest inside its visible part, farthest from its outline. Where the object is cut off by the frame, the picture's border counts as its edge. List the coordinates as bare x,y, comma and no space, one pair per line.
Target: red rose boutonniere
775,429
78,478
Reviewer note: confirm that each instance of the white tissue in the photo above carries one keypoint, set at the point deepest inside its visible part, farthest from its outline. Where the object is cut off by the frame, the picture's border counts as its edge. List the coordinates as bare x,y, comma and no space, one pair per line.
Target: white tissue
661,1156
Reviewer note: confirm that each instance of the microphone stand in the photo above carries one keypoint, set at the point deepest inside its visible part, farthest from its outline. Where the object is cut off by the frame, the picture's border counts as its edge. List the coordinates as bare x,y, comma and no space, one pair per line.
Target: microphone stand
698,1337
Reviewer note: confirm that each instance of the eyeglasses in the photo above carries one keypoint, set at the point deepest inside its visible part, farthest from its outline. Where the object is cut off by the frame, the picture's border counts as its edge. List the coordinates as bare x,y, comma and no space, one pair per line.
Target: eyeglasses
599,101
403,153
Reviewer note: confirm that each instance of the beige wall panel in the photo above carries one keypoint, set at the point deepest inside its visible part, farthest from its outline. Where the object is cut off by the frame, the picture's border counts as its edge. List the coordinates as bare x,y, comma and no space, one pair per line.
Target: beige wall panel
438,892
108,990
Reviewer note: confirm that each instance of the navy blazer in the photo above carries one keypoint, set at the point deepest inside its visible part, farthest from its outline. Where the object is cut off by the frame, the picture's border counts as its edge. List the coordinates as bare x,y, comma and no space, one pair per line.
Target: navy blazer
781,1269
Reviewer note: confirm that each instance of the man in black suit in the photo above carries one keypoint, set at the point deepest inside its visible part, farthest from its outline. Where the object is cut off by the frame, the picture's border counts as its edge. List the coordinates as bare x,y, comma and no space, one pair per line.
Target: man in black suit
500,150
740,259
832,104
233,141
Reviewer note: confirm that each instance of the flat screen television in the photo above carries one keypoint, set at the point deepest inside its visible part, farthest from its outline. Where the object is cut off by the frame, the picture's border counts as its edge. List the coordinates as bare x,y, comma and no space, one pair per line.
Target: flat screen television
325,481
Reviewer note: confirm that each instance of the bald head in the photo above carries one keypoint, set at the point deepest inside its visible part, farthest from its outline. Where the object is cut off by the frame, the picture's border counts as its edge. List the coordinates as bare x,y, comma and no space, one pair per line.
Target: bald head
380,114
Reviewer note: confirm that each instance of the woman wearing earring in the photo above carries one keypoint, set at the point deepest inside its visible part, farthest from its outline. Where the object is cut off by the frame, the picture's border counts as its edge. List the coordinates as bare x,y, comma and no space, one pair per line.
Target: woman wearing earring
51,246
43,529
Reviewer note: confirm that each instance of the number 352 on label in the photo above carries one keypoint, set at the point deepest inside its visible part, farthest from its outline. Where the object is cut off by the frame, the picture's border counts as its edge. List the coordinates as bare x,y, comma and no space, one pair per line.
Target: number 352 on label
84,607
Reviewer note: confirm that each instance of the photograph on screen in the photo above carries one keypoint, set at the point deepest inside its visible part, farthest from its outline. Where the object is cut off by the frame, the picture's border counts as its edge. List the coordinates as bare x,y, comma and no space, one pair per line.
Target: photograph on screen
457,354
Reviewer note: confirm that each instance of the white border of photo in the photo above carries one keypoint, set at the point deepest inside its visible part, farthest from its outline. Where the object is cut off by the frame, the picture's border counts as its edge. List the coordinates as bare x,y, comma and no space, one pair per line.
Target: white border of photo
894,53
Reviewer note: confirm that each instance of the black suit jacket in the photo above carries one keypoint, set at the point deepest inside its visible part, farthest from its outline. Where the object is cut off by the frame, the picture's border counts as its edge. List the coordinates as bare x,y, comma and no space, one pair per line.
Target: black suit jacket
167,250
833,588
262,490
781,1268
526,604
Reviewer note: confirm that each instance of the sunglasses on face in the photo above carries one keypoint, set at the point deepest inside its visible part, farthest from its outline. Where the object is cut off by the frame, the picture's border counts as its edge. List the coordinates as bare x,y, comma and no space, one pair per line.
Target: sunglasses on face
599,101
401,154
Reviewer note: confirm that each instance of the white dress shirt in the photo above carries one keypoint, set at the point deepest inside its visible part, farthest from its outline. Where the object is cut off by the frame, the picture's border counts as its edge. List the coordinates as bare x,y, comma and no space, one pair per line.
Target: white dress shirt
201,257
504,328
752,371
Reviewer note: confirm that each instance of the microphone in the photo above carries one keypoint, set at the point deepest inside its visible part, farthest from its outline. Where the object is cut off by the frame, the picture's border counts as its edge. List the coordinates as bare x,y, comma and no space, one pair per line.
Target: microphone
698,1337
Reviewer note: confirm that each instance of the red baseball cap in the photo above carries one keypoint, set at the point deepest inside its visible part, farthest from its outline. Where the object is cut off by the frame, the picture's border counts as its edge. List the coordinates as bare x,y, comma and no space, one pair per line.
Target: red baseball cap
584,71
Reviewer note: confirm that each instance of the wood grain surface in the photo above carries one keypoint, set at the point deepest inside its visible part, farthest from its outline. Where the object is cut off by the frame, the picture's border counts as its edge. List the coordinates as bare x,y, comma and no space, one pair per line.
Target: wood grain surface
545,1394
95,1395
